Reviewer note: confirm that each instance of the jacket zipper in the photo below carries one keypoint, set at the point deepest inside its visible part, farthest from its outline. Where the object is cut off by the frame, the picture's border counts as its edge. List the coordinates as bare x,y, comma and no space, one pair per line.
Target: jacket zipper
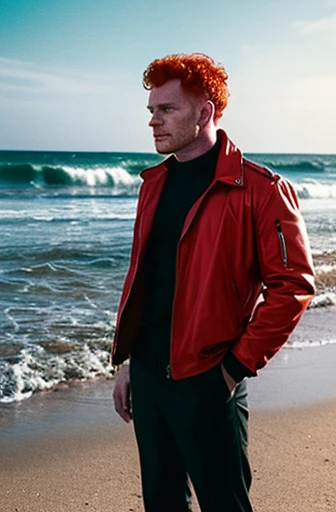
282,242
168,367
168,372
184,230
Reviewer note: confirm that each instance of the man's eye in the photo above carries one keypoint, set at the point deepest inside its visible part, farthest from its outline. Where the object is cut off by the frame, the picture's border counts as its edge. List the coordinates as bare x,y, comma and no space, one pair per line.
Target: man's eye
167,109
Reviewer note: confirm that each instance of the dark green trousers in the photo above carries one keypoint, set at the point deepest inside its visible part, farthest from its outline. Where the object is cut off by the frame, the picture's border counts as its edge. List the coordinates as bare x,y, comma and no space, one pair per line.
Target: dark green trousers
191,427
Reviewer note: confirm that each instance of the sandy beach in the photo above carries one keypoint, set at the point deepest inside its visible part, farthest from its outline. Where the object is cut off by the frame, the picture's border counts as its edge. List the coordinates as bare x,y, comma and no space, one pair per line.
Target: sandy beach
67,451
292,456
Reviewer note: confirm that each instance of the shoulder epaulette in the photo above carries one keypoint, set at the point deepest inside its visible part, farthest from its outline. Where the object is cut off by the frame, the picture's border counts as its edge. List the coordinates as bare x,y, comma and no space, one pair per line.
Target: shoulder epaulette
261,169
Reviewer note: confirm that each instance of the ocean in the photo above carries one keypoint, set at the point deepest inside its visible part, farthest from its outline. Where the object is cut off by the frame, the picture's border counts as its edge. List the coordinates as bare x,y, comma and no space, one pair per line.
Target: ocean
66,222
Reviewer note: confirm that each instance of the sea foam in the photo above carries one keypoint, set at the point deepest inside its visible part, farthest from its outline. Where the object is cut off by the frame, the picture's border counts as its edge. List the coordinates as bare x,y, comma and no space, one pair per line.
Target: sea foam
37,370
313,189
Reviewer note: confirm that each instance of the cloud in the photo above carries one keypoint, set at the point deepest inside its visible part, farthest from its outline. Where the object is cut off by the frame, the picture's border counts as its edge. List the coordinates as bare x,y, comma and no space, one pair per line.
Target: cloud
21,76
315,27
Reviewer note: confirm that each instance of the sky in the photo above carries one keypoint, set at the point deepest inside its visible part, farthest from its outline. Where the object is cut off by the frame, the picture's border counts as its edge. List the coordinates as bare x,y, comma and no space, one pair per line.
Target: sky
71,70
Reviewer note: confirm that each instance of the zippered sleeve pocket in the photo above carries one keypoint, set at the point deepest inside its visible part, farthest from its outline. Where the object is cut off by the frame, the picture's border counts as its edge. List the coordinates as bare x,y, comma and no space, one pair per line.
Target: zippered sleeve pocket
282,242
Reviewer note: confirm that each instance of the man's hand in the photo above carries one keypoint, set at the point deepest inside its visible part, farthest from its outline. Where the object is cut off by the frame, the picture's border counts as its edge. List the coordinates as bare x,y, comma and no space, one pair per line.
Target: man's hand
230,382
122,394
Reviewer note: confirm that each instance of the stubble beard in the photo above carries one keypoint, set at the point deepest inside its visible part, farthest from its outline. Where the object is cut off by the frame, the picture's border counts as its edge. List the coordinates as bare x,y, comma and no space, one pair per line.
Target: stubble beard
175,144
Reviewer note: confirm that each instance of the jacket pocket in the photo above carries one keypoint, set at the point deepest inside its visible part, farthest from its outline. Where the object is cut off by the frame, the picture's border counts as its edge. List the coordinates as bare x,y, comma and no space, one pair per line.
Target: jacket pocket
282,242
227,393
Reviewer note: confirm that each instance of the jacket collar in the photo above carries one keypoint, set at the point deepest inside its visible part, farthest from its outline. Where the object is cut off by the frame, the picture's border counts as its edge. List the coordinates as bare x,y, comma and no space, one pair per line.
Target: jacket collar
229,168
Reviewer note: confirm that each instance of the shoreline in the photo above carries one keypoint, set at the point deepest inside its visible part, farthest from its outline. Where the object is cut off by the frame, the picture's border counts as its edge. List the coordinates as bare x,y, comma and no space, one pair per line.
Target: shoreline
294,377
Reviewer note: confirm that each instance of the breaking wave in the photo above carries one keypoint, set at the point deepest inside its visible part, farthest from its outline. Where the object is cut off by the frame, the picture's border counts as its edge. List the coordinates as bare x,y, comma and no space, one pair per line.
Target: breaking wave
312,189
45,176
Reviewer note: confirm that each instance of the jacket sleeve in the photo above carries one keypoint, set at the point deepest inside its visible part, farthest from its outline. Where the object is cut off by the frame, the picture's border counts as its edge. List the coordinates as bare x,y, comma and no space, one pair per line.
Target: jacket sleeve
286,271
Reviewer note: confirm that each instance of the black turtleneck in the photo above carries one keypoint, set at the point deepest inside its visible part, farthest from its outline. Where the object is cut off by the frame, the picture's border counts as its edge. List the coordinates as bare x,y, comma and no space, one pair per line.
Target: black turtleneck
185,184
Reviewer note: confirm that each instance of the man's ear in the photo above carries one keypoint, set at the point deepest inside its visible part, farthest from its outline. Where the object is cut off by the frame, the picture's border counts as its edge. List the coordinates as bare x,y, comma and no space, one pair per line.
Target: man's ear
207,114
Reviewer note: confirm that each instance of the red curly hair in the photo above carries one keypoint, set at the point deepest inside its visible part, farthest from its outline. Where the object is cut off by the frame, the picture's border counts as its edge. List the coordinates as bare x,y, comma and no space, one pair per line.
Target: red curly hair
199,74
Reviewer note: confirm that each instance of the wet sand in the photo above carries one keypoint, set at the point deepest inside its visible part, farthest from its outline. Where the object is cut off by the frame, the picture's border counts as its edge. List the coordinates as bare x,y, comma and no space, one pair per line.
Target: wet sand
67,451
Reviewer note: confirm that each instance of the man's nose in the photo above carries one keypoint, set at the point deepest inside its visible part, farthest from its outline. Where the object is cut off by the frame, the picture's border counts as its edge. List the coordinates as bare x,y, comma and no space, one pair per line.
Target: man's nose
155,120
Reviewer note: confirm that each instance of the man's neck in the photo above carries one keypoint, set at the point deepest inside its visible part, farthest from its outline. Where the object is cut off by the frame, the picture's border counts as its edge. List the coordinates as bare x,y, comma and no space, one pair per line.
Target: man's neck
204,143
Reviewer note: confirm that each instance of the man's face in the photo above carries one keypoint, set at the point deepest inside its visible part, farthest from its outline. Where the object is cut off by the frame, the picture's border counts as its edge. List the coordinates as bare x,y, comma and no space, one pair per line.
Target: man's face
175,114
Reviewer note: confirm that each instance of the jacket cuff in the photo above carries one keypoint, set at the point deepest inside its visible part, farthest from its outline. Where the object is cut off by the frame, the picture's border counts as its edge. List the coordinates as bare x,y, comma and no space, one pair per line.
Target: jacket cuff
235,368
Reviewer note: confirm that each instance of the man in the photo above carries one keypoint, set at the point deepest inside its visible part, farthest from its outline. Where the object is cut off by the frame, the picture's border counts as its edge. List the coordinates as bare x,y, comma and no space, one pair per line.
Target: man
213,232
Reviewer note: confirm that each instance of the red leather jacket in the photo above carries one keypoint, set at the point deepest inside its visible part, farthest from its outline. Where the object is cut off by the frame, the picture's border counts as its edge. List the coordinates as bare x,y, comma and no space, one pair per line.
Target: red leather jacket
243,239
